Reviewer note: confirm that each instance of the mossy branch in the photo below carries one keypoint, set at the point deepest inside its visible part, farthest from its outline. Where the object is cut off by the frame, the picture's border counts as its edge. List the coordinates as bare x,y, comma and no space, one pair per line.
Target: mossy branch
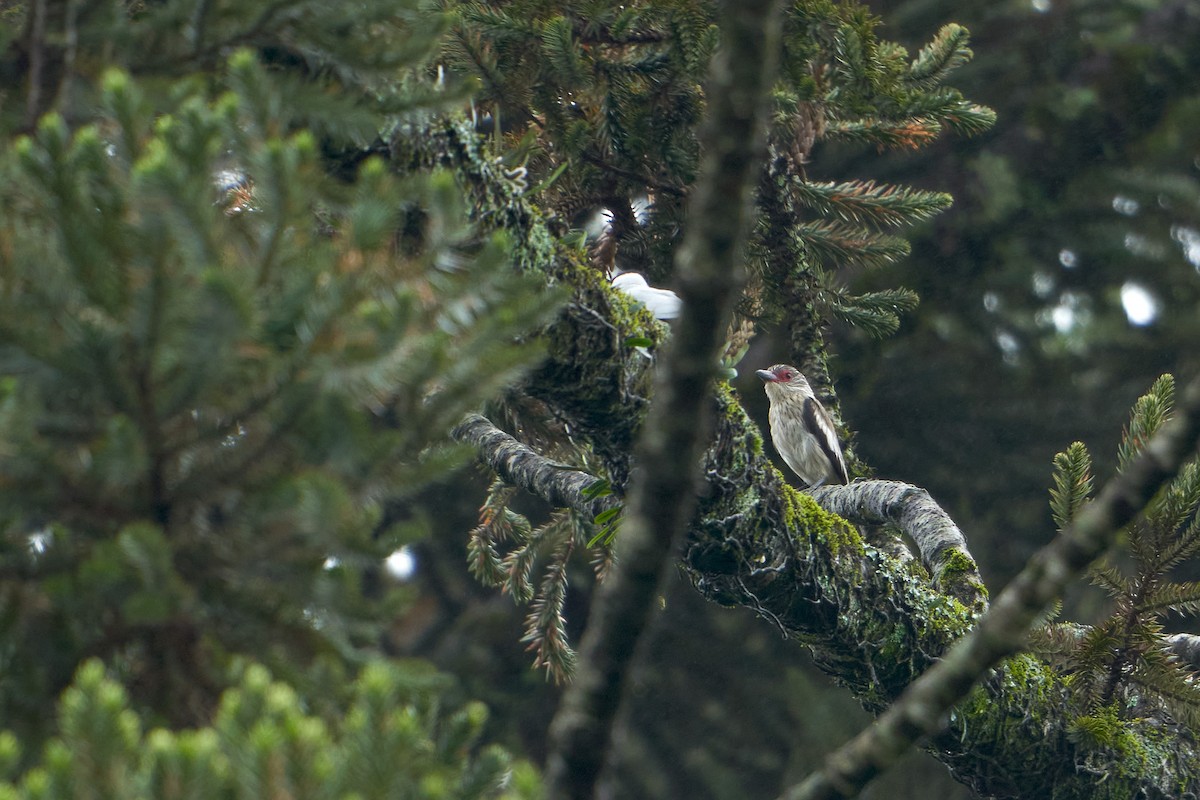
921,710
758,543
942,545
560,486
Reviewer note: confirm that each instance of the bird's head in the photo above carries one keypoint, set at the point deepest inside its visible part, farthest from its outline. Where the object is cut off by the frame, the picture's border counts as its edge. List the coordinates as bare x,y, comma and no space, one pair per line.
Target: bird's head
784,376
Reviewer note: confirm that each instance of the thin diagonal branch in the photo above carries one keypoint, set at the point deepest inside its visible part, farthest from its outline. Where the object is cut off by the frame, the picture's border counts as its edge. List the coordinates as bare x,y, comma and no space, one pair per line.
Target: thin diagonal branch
662,498
922,709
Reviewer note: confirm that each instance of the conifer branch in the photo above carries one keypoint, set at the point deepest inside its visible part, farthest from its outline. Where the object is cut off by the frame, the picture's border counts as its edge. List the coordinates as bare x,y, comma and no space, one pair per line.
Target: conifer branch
921,709
561,487
947,107
639,179
910,133
947,52
499,23
545,625
1179,512
559,48
497,524
1181,598
1072,483
662,498
870,203
875,313
966,118
841,243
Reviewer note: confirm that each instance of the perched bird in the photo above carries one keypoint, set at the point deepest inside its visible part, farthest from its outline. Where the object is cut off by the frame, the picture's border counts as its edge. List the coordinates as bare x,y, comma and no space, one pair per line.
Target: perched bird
662,303
801,428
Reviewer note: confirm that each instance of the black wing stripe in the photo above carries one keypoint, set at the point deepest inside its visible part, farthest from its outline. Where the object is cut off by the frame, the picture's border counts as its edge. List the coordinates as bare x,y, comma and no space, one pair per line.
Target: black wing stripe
816,420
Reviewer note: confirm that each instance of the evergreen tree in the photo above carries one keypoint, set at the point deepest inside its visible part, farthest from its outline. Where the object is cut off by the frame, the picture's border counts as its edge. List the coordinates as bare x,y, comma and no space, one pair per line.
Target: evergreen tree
1073,201
1123,665
603,103
839,81
251,279
227,351
396,740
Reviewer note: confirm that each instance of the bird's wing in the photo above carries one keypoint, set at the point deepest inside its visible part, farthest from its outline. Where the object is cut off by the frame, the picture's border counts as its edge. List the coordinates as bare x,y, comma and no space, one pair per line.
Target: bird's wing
817,419
662,303
627,281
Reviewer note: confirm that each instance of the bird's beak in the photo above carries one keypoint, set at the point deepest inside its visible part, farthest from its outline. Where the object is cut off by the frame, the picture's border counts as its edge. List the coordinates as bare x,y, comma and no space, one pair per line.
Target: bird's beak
766,375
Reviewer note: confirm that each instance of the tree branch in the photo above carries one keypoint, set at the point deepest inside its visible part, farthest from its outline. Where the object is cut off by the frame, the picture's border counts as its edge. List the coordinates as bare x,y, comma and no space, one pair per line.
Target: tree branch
560,486
1185,647
875,625
908,507
922,708
662,497
941,544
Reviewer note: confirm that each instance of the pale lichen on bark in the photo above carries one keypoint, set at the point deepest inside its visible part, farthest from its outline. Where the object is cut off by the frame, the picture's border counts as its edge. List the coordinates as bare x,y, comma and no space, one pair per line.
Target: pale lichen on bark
872,621
875,625
942,546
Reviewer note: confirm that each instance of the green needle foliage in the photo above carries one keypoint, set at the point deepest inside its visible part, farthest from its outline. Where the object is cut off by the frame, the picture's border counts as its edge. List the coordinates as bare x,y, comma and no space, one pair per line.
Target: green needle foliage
841,82
396,740
601,103
616,91
219,363
503,551
1072,483
1123,662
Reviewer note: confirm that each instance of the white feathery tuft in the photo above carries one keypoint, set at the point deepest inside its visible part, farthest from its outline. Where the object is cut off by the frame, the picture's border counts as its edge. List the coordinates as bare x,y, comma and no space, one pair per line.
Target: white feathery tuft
662,303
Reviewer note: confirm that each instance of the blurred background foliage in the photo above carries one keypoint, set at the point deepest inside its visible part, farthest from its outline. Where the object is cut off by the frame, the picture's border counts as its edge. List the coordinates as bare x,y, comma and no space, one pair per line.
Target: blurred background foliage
395,738
225,358
1063,281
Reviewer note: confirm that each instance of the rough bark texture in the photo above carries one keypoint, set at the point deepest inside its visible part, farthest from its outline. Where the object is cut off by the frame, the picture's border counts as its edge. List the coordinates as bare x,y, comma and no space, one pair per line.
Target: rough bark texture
1002,631
910,508
1186,648
662,496
872,621
559,485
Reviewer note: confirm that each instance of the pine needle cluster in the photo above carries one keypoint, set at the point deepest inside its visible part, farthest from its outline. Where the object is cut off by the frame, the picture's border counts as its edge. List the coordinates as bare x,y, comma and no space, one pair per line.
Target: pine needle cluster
612,90
842,83
504,550
616,92
397,739
1124,662
218,360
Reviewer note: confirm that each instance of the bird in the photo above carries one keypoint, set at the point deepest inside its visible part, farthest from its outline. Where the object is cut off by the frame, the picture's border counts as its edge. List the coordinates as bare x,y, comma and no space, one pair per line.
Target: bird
662,303
801,428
